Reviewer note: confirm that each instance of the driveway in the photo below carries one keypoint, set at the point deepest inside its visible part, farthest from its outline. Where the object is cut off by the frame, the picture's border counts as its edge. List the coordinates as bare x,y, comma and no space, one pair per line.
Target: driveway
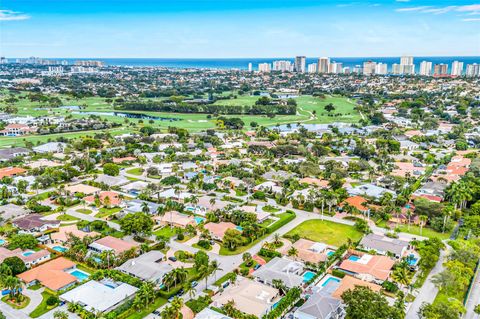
473,298
35,299
429,291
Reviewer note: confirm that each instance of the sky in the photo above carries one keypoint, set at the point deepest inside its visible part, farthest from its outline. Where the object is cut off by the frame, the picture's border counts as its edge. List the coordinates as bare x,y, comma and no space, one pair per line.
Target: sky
238,28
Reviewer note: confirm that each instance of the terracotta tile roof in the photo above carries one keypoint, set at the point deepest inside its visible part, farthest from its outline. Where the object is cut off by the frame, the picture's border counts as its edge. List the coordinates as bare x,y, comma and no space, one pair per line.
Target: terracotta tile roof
349,282
51,274
11,171
62,233
115,200
219,229
376,266
119,160
118,245
358,202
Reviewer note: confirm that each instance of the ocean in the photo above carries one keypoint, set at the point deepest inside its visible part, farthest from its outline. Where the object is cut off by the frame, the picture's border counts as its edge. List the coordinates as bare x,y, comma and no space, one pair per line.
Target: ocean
242,63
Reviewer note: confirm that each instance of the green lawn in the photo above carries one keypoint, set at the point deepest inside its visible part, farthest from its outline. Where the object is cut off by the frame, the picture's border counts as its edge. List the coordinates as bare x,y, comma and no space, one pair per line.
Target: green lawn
84,211
426,232
159,301
104,212
165,231
66,218
135,171
23,304
42,308
327,232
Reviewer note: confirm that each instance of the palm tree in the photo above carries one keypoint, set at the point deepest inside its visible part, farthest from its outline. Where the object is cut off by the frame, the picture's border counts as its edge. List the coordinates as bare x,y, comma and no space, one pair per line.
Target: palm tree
177,304
402,275
214,267
280,285
423,222
59,314
293,252
189,290
145,208
212,201
276,239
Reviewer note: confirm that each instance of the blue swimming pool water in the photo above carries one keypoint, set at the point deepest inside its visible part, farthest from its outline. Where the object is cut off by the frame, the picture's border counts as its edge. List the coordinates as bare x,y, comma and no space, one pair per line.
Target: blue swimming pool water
354,258
59,249
97,260
330,280
199,220
240,228
308,275
81,276
27,253
412,260
330,253
2,241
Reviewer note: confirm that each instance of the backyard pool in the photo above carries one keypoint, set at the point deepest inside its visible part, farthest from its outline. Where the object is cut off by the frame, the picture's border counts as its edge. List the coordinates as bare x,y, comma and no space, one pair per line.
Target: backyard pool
60,249
308,275
354,258
330,280
27,253
412,260
2,242
198,219
239,228
330,253
81,275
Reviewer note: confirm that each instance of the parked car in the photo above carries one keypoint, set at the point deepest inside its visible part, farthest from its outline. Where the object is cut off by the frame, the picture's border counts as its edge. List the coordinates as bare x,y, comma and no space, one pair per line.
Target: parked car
194,283
172,258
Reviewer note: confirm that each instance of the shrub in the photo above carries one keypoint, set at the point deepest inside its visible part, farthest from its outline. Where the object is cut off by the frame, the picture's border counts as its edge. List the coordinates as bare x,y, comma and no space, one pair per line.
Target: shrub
338,273
269,253
52,301
181,236
204,244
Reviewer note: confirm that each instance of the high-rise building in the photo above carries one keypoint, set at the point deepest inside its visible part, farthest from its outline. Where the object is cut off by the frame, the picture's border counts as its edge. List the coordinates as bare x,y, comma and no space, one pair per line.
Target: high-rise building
357,69
397,69
346,70
300,63
440,69
381,68
89,63
406,60
323,65
284,66
264,67
3,60
369,67
335,67
473,70
250,67
457,68
426,68
406,65
312,68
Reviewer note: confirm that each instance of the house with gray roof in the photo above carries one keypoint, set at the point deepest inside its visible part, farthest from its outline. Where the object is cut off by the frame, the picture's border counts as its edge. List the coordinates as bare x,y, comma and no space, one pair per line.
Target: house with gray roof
283,269
10,153
111,180
320,306
148,267
369,190
383,245
11,211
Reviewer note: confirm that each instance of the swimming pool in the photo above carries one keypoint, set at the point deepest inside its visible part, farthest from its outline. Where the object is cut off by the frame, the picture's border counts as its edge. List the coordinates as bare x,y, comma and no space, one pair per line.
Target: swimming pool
330,253
240,228
81,276
199,220
60,249
330,280
412,260
27,253
2,242
308,275
354,258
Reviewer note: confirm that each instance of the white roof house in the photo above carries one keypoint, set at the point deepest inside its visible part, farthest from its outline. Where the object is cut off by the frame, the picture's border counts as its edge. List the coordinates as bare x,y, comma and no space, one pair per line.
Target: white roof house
51,147
208,313
287,270
102,296
148,267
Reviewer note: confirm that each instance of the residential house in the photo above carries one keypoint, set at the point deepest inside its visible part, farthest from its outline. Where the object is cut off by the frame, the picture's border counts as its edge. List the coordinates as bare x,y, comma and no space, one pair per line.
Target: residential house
283,269
320,306
29,257
384,245
147,267
218,230
54,275
34,224
368,267
110,243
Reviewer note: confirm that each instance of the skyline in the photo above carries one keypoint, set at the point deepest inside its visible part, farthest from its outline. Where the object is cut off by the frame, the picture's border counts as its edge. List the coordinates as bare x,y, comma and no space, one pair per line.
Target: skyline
204,29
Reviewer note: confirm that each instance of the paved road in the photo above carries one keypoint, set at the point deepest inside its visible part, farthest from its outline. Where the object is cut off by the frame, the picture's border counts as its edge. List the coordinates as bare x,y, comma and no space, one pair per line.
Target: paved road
11,313
473,298
428,292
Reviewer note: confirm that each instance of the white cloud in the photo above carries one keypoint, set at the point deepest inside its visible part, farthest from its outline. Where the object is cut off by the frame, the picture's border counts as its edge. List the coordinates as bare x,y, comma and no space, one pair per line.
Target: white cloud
9,15
413,9
471,19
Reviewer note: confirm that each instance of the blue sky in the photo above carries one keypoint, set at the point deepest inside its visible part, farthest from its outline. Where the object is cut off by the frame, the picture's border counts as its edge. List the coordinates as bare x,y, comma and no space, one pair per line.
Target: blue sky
238,28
